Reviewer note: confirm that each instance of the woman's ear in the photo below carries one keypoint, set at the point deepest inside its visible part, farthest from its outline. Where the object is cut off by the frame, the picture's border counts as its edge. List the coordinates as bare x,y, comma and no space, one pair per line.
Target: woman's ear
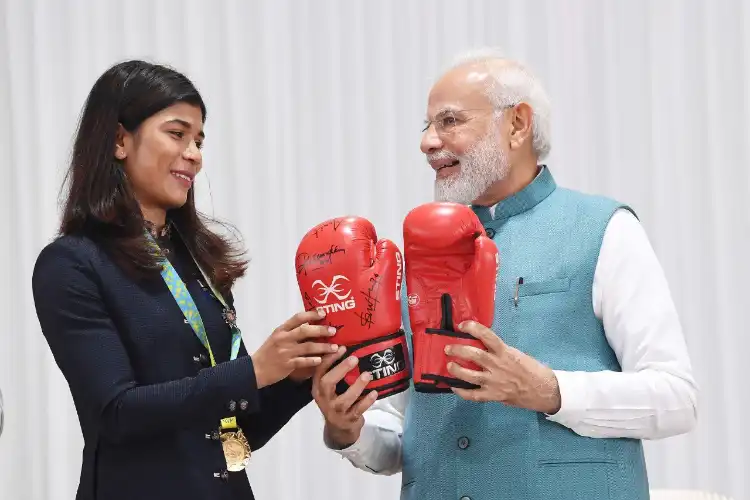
121,141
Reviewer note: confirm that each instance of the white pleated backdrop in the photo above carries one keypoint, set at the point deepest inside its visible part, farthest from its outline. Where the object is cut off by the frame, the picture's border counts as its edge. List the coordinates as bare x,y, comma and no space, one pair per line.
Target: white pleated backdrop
315,110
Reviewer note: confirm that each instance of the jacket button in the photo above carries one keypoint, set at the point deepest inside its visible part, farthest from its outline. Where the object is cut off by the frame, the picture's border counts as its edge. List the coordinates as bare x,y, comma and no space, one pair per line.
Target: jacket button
223,475
214,436
465,497
463,443
232,406
490,232
243,404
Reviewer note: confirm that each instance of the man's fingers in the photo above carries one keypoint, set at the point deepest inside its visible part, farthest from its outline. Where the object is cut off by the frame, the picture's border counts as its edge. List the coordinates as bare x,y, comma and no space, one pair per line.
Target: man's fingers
337,373
477,330
471,376
328,361
469,353
359,409
301,318
344,402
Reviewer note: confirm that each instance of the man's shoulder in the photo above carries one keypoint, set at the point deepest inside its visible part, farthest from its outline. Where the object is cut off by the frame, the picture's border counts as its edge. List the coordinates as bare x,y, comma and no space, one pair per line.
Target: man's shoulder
592,203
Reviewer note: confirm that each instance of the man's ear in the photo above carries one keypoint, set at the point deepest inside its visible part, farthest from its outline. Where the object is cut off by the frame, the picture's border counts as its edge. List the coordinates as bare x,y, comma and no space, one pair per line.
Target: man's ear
521,121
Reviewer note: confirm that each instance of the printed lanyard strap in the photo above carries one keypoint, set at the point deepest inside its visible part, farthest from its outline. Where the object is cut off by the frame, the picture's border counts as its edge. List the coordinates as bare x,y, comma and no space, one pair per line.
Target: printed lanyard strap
186,303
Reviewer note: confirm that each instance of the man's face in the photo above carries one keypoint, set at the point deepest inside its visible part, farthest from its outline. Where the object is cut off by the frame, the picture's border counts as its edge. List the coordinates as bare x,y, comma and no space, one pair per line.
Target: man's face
462,141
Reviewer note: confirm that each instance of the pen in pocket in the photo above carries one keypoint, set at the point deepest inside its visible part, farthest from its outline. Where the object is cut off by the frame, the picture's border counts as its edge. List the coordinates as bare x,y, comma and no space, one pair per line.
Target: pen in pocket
519,282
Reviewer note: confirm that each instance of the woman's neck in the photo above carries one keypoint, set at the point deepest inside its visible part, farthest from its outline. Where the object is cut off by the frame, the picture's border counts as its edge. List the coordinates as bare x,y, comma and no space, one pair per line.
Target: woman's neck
156,217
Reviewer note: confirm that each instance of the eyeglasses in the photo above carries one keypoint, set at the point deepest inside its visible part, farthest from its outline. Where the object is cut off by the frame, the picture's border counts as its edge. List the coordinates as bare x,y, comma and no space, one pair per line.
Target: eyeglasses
448,121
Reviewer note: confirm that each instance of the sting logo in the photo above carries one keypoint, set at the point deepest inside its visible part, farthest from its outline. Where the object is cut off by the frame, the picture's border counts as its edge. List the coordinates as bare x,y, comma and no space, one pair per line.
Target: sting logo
344,301
398,275
413,300
385,363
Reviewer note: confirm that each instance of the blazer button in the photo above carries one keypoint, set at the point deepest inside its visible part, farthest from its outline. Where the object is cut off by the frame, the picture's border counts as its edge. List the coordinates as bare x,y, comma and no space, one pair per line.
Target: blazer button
463,443
232,406
490,232
223,475
243,404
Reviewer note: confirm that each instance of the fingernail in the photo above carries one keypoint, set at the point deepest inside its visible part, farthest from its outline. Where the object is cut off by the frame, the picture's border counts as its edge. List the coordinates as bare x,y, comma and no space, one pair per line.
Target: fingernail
447,349
321,313
331,330
317,361
366,377
342,350
334,348
352,360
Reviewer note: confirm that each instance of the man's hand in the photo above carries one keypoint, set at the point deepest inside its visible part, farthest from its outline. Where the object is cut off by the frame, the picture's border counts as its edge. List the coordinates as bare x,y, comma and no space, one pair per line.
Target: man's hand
508,376
343,414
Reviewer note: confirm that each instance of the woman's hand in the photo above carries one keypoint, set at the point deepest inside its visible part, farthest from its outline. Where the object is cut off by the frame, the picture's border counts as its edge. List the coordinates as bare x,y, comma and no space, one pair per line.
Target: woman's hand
292,346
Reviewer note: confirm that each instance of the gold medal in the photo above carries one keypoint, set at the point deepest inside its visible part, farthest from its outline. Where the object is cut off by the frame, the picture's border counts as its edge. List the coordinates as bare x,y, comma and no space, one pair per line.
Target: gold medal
236,450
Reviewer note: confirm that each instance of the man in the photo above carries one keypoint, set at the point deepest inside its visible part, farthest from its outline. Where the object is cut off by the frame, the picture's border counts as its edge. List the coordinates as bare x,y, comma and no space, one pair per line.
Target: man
586,356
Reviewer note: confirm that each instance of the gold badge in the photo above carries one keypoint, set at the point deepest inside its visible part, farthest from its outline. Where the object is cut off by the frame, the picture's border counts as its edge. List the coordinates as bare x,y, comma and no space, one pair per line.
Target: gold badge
236,450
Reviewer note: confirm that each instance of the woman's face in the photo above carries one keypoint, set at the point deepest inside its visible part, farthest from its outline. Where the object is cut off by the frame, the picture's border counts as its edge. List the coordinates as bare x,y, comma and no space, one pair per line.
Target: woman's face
162,157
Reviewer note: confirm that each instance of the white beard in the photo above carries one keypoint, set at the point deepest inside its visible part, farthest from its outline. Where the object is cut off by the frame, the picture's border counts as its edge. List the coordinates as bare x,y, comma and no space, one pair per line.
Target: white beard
484,164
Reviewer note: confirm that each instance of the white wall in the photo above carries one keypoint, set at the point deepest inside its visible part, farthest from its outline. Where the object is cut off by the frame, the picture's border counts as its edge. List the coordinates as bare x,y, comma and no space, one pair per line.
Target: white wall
315,110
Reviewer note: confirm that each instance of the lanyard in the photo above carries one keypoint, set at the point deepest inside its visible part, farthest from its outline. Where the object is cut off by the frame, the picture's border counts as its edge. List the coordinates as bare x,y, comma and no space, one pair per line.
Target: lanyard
235,445
186,303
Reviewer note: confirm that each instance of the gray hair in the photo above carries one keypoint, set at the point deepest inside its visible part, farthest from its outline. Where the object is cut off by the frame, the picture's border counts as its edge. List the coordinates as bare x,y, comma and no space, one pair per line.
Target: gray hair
512,84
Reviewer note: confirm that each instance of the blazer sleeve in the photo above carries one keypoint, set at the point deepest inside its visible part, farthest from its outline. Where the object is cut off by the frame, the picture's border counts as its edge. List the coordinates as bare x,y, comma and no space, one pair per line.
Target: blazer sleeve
278,404
88,350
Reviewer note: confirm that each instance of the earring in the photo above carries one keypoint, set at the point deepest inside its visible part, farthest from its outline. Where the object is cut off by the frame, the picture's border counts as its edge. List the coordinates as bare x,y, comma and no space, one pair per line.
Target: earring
120,155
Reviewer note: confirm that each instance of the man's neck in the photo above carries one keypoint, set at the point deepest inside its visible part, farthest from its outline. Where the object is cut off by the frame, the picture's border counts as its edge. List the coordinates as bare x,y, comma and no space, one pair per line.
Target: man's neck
519,177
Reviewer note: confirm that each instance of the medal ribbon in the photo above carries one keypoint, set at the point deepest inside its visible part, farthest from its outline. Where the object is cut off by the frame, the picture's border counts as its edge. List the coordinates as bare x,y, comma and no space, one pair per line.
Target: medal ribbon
186,303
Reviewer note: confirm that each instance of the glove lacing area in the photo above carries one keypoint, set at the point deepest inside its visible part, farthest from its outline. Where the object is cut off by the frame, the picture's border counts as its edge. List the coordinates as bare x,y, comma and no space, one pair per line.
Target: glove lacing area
435,351
386,359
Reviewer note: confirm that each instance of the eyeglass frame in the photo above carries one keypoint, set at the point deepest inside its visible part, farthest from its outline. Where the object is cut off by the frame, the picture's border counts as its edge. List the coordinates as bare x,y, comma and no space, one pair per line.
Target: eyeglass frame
451,113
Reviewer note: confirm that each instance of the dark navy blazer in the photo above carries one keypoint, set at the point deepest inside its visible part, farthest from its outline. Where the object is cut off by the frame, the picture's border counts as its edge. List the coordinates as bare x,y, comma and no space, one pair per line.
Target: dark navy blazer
147,399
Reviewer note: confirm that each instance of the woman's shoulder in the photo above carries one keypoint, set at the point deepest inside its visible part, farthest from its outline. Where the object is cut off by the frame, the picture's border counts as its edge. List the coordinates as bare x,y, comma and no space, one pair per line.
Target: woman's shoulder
65,264
65,252
67,246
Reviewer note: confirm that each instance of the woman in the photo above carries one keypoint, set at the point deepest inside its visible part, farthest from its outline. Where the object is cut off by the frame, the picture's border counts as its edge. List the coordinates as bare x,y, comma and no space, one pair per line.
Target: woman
134,299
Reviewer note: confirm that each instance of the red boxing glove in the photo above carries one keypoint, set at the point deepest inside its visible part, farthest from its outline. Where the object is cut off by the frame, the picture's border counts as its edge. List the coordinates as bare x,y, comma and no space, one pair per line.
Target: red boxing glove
345,271
451,274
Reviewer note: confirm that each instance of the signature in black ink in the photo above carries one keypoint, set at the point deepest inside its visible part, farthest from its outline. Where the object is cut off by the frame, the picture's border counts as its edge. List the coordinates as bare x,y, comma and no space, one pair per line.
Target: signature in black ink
372,301
335,223
309,306
318,260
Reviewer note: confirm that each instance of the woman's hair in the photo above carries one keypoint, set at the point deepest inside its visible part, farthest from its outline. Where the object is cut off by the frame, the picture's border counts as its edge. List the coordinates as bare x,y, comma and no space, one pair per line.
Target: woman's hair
100,203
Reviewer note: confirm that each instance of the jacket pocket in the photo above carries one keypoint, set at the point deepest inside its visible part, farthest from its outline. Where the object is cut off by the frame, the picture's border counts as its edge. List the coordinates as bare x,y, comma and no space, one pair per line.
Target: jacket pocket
574,479
531,288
